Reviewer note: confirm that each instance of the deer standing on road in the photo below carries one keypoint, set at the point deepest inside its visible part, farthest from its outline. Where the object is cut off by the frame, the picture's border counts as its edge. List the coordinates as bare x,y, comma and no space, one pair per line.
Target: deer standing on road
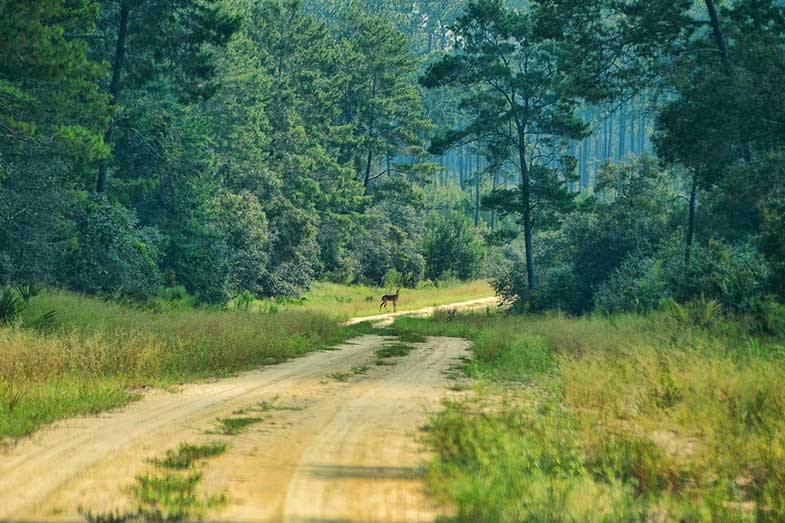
390,298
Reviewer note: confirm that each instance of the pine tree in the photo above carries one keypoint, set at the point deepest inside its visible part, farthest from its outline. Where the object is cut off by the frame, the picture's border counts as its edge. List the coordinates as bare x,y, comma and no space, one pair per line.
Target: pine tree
513,95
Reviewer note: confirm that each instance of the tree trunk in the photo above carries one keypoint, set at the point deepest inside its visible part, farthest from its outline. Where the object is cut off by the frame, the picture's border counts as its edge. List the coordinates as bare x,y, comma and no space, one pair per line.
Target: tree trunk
468,173
477,194
717,29
642,127
526,197
622,133
573,152
114,89
493,211
691,219
371,119
367,179
719,36
461,162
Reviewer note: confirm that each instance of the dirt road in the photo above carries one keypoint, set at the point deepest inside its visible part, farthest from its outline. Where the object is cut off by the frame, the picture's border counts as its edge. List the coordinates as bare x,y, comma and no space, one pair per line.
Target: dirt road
328,451
388,317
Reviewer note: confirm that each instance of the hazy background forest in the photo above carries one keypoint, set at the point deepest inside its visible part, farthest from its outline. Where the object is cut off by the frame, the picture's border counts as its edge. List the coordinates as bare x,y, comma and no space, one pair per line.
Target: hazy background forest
260,146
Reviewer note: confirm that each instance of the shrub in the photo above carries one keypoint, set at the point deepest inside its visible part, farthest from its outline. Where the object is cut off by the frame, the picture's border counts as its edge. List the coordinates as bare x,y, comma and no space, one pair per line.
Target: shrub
11,305
243,301
699,312
392,279
451,244
771,240
637,286
558,288
769,317
735,275
110,253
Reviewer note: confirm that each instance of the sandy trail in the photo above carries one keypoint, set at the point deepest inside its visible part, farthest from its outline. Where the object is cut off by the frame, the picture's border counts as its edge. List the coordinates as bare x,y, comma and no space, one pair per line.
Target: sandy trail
387,318
336,452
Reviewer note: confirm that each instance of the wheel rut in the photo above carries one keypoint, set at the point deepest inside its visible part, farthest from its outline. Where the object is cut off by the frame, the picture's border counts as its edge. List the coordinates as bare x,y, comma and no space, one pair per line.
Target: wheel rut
329,451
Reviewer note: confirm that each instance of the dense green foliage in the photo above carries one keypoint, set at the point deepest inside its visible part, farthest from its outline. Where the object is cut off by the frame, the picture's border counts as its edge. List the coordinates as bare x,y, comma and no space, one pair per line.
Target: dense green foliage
219,146
700,221
231,147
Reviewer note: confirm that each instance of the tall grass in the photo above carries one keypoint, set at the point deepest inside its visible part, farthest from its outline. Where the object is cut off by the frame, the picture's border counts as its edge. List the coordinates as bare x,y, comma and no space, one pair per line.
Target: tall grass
90,355
627,418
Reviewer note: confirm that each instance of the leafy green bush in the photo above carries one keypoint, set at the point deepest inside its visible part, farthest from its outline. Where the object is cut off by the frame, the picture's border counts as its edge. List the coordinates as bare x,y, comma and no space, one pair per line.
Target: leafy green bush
451,244
699,312
735,275
110,253
243,301
392,279
29,290
771,241
558,289
638,285
11,305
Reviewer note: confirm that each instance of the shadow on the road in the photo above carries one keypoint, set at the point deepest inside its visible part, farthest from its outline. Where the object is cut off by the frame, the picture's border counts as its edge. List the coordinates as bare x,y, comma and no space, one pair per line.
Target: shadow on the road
337,472
329,520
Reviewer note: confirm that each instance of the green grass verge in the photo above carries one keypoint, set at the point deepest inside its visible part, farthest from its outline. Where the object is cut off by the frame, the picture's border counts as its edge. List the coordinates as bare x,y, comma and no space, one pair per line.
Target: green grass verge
626,418
92,354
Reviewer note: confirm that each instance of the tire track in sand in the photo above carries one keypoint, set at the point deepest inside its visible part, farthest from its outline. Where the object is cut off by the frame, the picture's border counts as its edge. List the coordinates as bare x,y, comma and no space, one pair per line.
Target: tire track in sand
349,455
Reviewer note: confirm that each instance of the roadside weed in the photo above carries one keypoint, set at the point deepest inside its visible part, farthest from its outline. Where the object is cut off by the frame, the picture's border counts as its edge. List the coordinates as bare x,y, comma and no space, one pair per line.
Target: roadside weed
393,351
186,455
233,426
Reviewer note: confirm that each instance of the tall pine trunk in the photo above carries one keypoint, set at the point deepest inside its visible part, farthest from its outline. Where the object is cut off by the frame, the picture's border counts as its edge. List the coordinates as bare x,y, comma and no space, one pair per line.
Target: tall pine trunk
691,219
371,121
717,30
461,165
114,88
477,194
622,133
495,185
526,202
367,177
642,127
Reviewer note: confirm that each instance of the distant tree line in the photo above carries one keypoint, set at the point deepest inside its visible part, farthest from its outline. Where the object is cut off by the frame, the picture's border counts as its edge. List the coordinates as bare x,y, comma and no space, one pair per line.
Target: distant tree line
219,146
690,81
575,151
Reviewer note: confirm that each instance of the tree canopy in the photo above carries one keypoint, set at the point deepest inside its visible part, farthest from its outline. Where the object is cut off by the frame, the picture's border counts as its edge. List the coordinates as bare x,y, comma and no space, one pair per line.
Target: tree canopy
569,150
